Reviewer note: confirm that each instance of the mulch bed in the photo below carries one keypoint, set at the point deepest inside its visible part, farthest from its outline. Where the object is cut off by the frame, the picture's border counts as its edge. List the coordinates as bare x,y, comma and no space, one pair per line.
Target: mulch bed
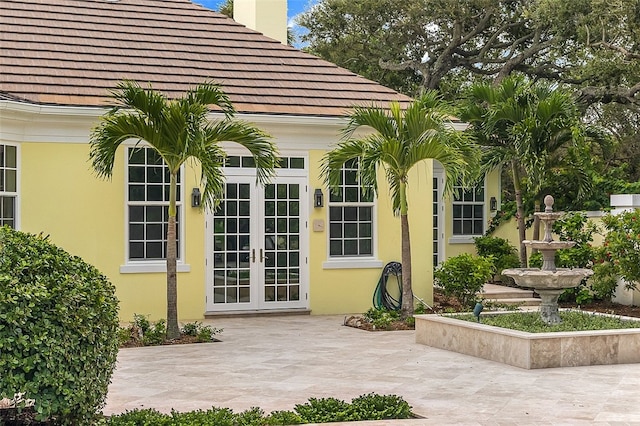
445,304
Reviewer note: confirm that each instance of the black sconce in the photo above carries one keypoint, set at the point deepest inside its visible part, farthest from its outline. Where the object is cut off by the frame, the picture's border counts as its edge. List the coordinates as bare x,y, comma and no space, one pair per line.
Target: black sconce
196,197
318,198
493,204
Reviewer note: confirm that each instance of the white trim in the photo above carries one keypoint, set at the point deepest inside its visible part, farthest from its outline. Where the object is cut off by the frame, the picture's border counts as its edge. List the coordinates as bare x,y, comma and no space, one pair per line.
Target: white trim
438,174
257,242
595,213
463,239
150,266
15,194
354,259
468,238
352,263
155,265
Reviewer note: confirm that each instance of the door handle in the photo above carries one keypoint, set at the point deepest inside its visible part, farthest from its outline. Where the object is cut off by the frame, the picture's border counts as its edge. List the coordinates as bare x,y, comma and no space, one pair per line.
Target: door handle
262,257
253,255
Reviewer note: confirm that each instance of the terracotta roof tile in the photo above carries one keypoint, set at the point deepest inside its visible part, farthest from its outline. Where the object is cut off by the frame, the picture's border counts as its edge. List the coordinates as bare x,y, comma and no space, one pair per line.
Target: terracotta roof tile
71,52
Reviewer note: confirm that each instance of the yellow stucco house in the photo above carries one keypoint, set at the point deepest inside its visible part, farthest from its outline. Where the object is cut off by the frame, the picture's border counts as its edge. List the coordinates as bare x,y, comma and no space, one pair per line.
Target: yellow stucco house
272,249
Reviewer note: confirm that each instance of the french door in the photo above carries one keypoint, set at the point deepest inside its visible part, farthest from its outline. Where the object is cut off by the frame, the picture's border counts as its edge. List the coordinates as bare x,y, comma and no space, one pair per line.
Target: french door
256,246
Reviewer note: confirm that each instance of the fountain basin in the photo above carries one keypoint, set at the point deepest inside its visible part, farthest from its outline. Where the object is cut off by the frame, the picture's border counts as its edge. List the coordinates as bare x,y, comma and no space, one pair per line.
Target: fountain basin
559,279
529,350
549,245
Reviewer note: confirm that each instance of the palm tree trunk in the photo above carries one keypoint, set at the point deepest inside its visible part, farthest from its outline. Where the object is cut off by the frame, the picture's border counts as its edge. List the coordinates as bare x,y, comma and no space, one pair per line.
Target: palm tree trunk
407,291
173,331
536,222
520,213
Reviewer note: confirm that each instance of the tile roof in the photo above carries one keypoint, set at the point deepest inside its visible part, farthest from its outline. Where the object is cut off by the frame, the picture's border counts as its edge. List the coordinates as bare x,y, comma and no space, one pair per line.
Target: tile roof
69,52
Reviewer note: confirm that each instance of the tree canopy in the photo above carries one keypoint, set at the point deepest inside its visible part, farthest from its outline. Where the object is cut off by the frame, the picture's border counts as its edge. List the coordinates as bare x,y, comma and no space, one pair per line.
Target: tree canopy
591,44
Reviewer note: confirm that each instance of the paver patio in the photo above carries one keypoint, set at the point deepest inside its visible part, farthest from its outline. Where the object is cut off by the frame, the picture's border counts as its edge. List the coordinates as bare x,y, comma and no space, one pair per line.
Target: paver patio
277,362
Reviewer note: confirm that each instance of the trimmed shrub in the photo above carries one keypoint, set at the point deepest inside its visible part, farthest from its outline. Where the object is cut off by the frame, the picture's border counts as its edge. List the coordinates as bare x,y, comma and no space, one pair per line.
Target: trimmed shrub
504,254
324,410
379,407
58,329
463,276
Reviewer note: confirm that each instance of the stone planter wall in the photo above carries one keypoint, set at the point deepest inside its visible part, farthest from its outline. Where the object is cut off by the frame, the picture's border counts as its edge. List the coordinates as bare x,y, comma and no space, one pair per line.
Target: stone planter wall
529,350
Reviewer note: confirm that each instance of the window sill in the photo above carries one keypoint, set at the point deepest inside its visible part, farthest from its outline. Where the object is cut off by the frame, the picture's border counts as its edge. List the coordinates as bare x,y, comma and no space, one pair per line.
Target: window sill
143,267
463,239
352,263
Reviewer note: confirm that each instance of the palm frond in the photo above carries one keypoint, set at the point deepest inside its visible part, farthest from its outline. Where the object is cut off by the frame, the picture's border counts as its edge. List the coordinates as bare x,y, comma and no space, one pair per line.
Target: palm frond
257,142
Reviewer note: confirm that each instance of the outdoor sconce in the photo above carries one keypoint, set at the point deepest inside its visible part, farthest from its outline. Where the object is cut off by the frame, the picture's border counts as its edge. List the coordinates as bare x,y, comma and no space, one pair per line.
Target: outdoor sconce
318,198
493,204
196,197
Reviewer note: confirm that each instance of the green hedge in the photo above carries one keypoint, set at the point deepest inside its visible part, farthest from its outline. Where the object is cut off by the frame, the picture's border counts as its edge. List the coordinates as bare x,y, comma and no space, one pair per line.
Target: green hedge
58,329
365,407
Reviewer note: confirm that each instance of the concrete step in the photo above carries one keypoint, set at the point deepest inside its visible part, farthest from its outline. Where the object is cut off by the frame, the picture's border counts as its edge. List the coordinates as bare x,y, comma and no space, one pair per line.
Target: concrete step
506,295
523,301
493,291
500,294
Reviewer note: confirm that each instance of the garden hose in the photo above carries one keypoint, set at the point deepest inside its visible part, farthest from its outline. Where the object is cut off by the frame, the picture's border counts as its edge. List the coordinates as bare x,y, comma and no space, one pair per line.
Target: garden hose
381,297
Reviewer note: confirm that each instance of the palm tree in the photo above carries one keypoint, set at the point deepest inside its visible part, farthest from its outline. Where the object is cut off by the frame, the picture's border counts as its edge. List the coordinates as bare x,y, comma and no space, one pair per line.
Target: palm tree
402,139
178,130
528,128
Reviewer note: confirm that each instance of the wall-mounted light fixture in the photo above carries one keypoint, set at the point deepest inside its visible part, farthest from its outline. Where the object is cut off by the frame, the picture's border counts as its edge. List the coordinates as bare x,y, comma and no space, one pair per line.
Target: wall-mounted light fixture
318,198
493,204
196,197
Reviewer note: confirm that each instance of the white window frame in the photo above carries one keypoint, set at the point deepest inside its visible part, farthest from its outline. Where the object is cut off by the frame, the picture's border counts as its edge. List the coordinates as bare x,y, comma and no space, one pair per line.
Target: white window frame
152,265
468,238
12,194
353,261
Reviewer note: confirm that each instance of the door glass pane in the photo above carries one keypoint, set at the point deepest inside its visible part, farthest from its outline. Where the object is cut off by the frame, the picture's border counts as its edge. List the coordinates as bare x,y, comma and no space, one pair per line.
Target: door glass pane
232,254
282,240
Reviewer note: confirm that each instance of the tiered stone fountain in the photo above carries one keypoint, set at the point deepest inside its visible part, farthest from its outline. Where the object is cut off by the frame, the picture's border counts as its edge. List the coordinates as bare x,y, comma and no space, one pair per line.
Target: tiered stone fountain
534,350
549,282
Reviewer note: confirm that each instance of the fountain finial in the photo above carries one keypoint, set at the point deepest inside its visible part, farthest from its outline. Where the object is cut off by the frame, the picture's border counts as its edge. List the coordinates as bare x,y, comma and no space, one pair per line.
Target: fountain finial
548,202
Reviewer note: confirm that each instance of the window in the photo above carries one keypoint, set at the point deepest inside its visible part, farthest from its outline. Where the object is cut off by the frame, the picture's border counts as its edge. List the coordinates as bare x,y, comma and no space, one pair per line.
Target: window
235,161
350,217
148,205
8,184
468,210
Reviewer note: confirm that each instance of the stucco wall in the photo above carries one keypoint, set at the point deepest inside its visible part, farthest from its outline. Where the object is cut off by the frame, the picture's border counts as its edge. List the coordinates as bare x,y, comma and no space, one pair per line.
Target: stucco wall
85,216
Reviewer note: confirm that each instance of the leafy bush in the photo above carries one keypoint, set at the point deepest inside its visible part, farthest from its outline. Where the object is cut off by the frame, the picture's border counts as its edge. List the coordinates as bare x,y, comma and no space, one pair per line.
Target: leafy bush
504,254
379,407
577,228
58,329
324,410
381,318
281,418
463,276
155,334
622,245
138,417
202,333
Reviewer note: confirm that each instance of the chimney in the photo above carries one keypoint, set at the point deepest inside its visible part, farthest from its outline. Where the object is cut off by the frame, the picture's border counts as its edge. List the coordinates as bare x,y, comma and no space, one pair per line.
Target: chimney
266,16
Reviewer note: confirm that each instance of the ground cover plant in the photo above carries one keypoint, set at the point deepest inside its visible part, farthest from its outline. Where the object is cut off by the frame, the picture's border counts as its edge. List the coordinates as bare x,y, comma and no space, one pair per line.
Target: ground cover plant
58,332
142,332
571,321
317,410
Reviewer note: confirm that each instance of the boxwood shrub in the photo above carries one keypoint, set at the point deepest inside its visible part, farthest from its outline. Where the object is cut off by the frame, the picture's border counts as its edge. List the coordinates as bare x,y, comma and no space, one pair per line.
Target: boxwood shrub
58,329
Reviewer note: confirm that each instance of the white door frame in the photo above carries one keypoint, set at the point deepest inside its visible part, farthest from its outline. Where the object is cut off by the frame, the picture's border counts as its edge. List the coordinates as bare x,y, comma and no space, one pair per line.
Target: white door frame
252,261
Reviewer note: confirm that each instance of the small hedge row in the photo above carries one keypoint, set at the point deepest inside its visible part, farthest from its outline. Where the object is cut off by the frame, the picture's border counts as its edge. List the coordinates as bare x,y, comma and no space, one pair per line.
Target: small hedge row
324,410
